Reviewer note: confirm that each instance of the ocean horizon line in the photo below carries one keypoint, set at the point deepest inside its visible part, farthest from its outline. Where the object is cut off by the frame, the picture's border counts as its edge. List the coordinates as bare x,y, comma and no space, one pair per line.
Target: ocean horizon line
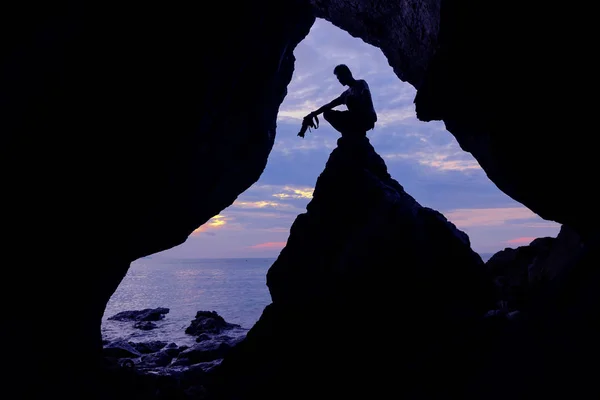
484,256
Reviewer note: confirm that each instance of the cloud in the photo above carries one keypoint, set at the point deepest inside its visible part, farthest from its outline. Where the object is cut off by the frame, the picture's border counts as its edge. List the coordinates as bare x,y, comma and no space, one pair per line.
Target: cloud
278,229
543,224
298,111
291,192
488,216
450,165
246,216
438,161
521,240
216,222
313,142
262,194
304,92
269,245
444,162
393,116
259,204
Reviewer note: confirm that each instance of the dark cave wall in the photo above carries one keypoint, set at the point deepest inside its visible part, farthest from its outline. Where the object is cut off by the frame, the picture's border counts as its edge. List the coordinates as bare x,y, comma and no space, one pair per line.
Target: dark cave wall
125,127
507,80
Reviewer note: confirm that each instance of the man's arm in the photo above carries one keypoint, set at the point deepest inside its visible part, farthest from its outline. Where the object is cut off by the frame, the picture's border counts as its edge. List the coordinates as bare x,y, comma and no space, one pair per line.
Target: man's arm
333,103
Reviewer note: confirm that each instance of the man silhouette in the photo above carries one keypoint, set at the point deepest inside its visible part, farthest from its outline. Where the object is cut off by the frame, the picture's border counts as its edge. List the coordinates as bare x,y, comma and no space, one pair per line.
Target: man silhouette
360,116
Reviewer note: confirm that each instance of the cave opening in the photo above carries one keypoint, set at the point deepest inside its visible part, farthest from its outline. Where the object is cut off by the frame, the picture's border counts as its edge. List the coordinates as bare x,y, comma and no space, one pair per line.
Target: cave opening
106,141
222,265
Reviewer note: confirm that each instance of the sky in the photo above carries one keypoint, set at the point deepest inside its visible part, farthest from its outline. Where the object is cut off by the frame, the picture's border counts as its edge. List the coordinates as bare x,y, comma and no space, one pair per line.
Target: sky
422,156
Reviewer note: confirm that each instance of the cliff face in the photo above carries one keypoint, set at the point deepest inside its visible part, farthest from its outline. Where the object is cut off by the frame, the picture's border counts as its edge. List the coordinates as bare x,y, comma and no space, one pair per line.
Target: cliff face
370,284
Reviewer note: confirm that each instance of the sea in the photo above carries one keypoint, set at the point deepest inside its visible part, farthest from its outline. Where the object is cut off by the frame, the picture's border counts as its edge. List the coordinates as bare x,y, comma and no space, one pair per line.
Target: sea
233,287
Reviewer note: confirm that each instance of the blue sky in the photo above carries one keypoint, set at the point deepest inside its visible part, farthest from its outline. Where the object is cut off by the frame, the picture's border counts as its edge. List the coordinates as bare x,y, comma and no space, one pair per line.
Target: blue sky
422,156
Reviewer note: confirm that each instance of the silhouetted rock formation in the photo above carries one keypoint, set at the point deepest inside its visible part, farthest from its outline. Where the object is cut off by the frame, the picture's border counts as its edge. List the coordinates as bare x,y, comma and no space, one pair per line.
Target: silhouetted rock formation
522,274
510,269
540,353
369,285
563,254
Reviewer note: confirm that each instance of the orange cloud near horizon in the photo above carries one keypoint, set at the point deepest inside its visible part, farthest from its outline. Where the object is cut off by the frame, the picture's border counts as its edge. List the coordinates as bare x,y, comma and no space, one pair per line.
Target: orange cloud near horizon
269,245
215,222
521,240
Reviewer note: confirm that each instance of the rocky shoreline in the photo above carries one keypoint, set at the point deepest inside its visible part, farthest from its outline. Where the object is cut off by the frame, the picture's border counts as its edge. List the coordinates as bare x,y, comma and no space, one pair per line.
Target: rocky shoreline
163,368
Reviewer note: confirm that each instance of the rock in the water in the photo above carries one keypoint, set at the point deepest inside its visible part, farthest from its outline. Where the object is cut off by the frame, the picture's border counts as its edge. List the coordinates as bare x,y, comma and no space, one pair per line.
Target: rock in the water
147,314
208,322
145,325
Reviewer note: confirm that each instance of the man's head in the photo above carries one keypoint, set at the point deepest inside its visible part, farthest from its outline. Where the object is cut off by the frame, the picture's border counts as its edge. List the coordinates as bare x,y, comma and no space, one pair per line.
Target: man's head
342,72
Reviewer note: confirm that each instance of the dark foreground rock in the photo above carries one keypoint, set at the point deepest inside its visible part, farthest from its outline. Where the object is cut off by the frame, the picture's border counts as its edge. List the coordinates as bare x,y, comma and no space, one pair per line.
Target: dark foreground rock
539,354
121,349
206,350
511,269
522,273
373,293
